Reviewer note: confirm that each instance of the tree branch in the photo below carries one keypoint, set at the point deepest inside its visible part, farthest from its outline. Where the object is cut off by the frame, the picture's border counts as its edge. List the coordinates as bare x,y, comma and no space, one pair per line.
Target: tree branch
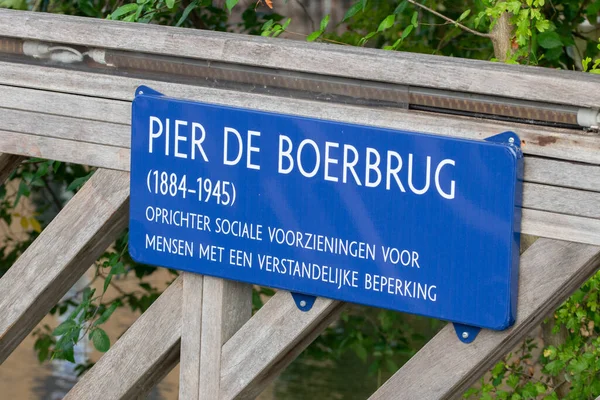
461,26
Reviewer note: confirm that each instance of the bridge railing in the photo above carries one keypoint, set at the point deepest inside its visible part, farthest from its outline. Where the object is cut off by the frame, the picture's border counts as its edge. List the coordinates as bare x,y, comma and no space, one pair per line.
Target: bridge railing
80,112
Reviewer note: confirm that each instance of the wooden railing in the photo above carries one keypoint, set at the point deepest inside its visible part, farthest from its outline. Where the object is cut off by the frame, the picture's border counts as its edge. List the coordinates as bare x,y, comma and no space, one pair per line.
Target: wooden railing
81,114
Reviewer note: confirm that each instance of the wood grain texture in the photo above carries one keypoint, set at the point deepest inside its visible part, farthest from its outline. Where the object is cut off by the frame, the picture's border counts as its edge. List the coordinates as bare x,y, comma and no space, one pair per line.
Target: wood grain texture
147,351
250,359
70,105
269,341
448,73
226,306
191,331
61,254
543,141
8,163
537,170
106,145
561,227
561,200
102,156
550,271
54,126
562,173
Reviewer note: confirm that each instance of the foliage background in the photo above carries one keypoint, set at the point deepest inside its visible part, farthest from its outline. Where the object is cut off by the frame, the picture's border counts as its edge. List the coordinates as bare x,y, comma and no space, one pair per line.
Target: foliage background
561,361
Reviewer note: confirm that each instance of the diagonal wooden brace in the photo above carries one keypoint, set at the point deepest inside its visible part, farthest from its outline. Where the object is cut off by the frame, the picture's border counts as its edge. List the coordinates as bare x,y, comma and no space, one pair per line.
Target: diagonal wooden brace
8,163
61,254
550,271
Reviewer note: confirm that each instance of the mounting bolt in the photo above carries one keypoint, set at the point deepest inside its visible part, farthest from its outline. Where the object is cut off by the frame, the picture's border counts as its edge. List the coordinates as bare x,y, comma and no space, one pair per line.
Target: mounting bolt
302,303
140,92
511,140
465,335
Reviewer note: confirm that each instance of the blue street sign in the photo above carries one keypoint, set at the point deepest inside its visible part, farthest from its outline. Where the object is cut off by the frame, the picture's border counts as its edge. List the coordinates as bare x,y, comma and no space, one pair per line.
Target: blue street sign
407,221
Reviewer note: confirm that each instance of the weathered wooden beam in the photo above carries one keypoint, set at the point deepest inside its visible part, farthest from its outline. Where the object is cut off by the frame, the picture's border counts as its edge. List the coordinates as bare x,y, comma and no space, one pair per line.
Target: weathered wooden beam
226,306
560,226
542,141
54,126
213,310
537,170
189,372
414,69
64,104
96,155
552,212
269,341
562,173
147,351
8,163
560,200
61,254
445,367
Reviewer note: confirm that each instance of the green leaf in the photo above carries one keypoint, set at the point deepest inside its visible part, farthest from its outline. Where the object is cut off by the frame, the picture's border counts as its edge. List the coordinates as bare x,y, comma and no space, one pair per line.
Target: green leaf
43,354
512,381
352,11
396,44
123,10
107,281
540,387
69,353
542,25
23,190
414,21
554,367
549,40
391,365
498,369
501,395
267,25
401,7
170,4
230,4
388,22
464,15
14,4
325,22
106,314
361,352
578,366
100,340
407,32
65,327
87,294
313,36
186,13
79,182
364,4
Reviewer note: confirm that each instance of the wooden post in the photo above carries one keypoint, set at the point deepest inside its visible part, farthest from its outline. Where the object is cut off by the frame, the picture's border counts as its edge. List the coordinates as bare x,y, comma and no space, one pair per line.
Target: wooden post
189,370
213,310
